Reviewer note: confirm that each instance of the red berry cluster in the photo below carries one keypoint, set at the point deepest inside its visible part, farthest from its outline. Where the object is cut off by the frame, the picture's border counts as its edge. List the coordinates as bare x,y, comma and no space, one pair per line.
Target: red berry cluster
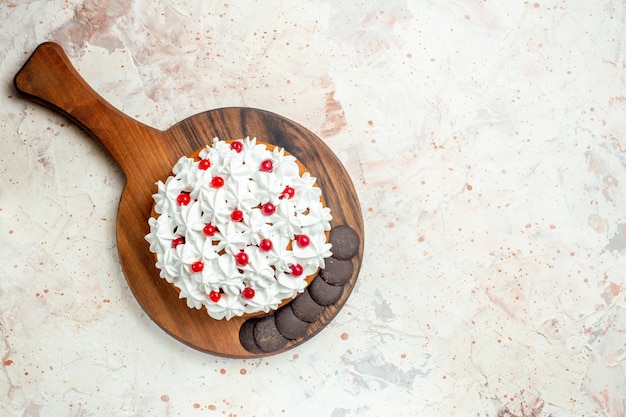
178,241
183,198
268,209
204,164
296,270
197,266
288,193
241,259
217,182
266,245
209,230
303,241
237,146
267,165
247,293
236,216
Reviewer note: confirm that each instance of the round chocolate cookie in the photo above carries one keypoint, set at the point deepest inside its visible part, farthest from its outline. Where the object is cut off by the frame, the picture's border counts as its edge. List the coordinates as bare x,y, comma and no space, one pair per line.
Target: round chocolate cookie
305,308
267,336
246,336
324,294
345,242
337,272
288,324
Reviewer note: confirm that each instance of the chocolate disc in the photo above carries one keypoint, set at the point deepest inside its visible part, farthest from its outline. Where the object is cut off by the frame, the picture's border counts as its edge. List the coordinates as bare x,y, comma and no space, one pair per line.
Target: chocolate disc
305,308
345,242
324,294
266,335
246,336
337,272
288,324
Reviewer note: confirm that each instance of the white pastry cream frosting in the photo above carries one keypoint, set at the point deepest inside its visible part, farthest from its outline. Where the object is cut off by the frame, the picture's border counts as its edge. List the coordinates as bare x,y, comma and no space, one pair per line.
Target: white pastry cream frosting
239,230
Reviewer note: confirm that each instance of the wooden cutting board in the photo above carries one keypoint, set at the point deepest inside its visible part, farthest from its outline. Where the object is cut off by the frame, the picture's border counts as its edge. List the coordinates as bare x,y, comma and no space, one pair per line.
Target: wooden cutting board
147,155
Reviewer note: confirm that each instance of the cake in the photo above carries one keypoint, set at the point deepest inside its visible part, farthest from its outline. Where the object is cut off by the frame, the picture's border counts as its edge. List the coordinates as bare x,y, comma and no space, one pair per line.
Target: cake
239,228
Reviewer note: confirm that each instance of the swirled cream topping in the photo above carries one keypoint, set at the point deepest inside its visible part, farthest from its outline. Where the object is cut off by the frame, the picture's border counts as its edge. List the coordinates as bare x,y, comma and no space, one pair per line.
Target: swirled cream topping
239,230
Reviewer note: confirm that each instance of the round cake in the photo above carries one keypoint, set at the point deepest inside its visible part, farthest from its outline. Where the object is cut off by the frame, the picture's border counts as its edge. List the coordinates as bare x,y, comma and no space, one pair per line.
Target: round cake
240,228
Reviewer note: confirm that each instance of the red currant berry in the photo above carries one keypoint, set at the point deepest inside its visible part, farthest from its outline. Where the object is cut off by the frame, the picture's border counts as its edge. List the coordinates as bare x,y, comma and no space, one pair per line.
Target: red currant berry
236,215
183,199
288,192
204,164
241,259
215,296
247,293
236,146
197,266
296,270
178,241
209,230
267,165
303,241
217,182
266,245
268,209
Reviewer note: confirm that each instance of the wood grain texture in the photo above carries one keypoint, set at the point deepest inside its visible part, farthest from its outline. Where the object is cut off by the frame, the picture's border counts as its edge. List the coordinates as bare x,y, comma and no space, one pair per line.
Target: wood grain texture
147,155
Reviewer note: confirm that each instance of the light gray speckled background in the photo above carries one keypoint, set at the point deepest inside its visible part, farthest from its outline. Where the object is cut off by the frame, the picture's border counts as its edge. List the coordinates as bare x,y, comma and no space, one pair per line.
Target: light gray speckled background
486,140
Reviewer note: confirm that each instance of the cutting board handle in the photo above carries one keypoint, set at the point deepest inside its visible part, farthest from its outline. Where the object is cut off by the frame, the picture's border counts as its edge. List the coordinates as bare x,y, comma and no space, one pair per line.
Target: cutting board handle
49,78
